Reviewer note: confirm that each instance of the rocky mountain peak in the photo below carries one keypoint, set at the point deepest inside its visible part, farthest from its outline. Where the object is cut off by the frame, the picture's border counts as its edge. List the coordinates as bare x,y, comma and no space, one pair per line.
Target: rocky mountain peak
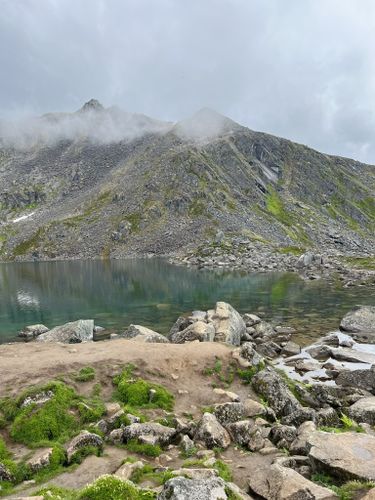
205,124
92,105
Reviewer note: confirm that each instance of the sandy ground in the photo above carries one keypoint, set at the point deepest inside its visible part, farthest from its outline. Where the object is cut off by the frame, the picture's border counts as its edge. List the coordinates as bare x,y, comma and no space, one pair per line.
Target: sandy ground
177,367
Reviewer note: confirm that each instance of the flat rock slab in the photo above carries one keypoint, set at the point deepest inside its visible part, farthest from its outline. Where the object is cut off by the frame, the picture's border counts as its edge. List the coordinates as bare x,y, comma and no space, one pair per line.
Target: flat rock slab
348,455
282,483
352,355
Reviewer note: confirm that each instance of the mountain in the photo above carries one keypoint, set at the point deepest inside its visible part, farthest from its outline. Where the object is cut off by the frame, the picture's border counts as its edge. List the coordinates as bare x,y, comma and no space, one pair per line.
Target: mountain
102,182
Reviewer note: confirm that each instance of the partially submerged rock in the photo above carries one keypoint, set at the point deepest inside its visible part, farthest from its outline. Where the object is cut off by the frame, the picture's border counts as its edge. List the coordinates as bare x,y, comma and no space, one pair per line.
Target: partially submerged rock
70,333
347,455
360,319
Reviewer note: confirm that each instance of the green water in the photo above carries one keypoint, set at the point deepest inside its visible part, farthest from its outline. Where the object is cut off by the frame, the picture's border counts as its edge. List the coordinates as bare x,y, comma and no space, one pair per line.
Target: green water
154,293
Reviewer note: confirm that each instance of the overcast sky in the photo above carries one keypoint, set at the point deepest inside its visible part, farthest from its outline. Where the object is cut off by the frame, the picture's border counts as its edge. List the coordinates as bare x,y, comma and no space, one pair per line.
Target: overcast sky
301,69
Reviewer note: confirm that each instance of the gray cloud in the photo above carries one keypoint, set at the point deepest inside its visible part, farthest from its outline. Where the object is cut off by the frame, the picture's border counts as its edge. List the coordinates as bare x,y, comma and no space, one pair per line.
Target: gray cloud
302,69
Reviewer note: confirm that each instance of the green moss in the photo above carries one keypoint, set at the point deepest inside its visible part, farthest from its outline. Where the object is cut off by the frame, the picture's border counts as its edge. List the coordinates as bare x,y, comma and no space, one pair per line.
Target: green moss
55,420
247,374
223,470
197,208
50,422
139,393
149,450
4,453
110,488
149,473
345,491
231,495
85,374
291,249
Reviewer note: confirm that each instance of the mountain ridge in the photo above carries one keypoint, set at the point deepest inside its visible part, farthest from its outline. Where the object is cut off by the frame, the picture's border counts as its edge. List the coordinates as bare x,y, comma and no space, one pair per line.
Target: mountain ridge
170,187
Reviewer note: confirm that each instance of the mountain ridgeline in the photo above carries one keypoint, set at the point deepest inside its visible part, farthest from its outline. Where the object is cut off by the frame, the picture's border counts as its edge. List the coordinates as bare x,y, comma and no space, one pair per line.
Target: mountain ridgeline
106,183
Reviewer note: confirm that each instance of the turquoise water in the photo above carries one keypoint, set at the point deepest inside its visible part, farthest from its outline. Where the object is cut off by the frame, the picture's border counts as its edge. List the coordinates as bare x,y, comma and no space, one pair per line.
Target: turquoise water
154,293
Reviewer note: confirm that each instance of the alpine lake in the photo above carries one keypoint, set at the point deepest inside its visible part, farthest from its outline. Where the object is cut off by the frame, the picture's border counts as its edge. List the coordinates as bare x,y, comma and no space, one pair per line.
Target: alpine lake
153,293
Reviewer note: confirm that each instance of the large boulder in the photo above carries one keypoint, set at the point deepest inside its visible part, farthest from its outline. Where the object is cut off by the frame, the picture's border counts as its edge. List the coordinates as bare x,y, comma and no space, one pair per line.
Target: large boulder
282,483
227,413
362,379
363,410
274,389
149,433
229,325
348,455
70,333
211,432
40,460
181,488
199,330
142,334
360,319
247,434
299,445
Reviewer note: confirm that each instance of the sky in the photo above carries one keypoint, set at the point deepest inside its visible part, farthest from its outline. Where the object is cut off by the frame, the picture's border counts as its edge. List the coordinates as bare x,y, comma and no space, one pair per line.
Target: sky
300,69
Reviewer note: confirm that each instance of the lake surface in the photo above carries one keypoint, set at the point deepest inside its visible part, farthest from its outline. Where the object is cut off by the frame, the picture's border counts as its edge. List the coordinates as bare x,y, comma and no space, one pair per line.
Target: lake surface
153,293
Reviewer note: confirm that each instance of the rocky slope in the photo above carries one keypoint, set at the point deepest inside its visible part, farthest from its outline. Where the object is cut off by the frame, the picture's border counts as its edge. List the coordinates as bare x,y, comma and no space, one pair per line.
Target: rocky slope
104,183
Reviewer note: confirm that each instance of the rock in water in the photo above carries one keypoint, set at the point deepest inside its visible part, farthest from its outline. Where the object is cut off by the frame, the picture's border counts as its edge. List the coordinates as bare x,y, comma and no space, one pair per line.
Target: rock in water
70,333
229,326
348,455
181,488
360,319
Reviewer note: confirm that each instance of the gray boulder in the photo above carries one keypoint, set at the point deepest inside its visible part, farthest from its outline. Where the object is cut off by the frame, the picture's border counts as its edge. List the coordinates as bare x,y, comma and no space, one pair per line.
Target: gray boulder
81,441
348,455
274,389
299,445
227,413
210,432
181,488
282,483
249,353
140,333
199,330
40,459
363,379
229,325
247,434
149,433
363,410
360,319
283,435
70,333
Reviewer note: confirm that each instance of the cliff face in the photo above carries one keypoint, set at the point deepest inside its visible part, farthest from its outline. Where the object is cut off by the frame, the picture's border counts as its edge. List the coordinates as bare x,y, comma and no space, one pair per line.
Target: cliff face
166,188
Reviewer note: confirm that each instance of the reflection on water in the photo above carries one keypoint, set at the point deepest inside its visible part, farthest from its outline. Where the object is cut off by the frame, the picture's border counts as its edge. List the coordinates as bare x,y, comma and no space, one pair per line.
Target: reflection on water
154,293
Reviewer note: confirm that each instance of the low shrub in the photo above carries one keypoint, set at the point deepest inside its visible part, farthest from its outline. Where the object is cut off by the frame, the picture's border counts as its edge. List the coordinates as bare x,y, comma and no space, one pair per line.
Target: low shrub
85,374
113,488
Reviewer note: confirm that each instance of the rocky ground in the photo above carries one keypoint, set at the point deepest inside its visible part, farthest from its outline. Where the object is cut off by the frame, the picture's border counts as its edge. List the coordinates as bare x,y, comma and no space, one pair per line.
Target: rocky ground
225,407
